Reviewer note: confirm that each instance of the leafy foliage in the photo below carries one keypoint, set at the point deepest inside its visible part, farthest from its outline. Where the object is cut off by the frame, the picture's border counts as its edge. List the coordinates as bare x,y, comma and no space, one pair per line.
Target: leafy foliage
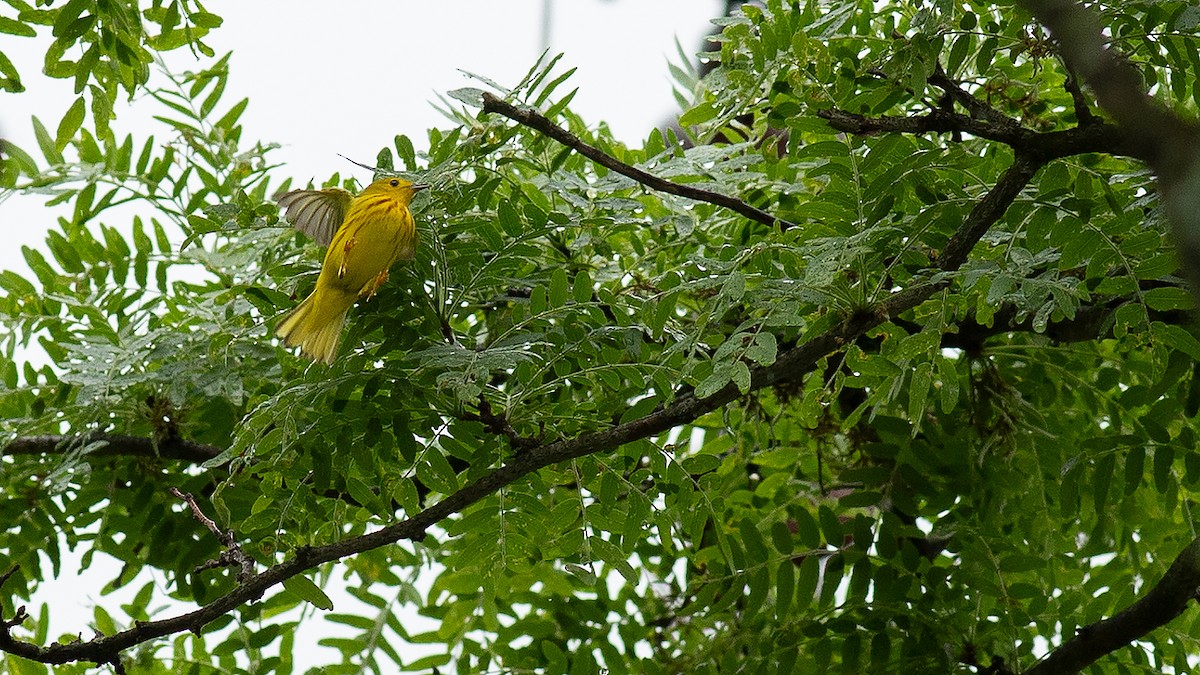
1008,461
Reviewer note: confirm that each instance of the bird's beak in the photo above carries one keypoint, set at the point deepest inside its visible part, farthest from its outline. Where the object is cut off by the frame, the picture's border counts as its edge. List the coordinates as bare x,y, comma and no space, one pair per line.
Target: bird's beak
417,187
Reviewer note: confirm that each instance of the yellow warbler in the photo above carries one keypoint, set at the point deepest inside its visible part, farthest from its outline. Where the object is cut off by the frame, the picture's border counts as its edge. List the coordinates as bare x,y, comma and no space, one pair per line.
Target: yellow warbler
365,234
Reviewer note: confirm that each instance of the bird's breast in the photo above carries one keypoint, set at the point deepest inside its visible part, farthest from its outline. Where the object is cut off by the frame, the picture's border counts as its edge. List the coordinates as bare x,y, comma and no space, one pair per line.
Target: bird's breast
377,231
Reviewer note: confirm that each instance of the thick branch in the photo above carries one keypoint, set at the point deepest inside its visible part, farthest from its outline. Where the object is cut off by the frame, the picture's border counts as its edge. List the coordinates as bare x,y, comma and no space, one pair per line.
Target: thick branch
538,122
114,445
1097,137
989,210
1158,607
1091,322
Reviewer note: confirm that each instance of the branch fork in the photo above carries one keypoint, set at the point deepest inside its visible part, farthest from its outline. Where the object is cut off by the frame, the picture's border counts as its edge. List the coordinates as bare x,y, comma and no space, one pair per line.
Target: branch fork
232,556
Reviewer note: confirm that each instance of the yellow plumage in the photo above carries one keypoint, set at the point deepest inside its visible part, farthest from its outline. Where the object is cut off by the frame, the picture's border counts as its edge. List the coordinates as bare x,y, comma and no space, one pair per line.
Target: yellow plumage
366,234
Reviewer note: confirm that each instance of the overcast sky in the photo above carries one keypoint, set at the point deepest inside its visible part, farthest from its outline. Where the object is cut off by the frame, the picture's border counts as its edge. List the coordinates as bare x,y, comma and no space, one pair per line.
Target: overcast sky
323,82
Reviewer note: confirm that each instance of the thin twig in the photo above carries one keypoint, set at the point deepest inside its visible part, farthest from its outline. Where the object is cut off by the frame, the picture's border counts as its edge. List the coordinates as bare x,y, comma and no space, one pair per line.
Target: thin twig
538,122
6,625
17,619
978,109
233,555
1083,113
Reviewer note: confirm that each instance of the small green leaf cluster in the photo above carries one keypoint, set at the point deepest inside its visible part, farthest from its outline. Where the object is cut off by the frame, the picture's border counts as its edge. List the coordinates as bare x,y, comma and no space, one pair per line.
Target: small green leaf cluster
115,48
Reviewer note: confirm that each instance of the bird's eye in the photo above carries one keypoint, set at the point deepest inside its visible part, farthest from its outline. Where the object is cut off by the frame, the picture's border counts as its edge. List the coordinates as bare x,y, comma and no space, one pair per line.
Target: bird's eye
395,183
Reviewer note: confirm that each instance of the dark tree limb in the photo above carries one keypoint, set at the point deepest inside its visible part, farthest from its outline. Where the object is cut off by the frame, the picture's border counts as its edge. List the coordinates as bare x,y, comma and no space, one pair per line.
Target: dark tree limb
1157,607
114,445
1083,112
988,210
538,122
1097,137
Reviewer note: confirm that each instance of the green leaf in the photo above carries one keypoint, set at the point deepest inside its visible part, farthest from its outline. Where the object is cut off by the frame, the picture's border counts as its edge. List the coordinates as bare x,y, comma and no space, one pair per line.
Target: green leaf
67,15
752,541
1179,338
18,157
785,588
716,381
918,394
1105,466
735,286
764,350
303,587
1135,468
559,288
697,115
781,537
581,290
510,221
469,95
406,152
437,473
230,118
741,376
830,527
13,27
46,143
205,20
614,557
807,581
10,79
1164,460
808,531
362,493
1168,298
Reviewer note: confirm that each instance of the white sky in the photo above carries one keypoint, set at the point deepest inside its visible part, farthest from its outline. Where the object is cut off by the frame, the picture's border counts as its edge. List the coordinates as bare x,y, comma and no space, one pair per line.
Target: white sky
324,82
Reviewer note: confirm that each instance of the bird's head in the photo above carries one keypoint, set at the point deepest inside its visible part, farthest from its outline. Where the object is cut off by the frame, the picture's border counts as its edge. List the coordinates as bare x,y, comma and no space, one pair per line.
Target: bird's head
397,188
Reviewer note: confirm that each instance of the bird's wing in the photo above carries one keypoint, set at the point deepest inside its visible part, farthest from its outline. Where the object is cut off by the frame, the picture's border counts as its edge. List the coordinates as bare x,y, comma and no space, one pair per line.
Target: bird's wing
317,213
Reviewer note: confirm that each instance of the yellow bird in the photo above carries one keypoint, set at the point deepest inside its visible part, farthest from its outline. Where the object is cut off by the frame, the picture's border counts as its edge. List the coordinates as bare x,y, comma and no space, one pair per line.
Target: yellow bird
366,234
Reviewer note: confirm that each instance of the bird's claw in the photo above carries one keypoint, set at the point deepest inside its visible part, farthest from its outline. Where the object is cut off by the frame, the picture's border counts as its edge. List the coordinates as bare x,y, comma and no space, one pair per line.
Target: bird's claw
350,243
369,290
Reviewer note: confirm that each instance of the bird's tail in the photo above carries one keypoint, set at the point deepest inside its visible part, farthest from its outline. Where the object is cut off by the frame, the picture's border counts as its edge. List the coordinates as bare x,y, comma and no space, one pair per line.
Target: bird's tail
316,329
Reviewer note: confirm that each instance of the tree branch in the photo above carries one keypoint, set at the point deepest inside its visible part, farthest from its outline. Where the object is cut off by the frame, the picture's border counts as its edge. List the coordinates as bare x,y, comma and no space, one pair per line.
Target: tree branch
538,122
978,109
114,445
988,210
1096,137
1083,113
233,555
1158,607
